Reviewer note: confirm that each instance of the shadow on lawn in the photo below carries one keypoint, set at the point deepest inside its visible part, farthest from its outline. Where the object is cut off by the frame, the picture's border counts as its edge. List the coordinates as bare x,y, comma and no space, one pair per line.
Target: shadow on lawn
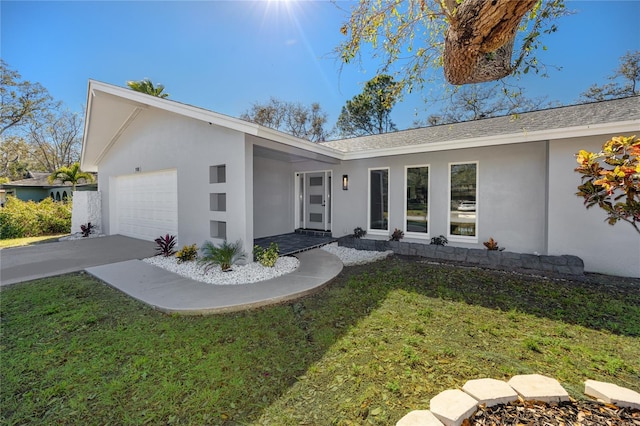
121,362
595,301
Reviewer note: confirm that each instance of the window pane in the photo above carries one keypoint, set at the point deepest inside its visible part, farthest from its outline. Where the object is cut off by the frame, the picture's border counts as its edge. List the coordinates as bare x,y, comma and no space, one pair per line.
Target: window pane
417,199
379,208
463,200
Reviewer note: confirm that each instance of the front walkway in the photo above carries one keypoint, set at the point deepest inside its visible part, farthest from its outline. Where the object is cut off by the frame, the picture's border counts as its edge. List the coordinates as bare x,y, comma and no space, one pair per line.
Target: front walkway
295,242
172,293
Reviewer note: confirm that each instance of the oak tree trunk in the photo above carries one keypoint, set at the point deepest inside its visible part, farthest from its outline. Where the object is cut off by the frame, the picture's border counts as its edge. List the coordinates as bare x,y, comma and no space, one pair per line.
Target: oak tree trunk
479,41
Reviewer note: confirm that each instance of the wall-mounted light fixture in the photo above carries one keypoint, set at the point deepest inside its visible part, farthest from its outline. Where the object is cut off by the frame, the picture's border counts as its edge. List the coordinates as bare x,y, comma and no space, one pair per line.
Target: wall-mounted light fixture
345,182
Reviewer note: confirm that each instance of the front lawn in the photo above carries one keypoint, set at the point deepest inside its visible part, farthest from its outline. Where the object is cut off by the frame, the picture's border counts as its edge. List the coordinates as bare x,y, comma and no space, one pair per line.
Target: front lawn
26,241
378,342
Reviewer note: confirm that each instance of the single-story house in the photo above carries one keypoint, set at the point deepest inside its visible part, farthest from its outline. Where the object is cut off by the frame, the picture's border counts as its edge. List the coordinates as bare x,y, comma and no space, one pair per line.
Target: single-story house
36,187
167,167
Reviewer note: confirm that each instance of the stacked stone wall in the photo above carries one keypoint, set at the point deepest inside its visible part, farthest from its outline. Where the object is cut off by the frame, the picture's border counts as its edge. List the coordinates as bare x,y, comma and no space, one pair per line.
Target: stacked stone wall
492,259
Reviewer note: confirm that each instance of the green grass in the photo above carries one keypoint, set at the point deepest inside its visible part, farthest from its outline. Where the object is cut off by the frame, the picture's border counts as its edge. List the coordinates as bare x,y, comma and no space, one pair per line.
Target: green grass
17,242
377,343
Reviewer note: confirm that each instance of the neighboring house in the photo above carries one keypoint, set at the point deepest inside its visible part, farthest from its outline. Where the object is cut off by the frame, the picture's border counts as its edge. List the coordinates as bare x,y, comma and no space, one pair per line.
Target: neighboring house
166,167
36,187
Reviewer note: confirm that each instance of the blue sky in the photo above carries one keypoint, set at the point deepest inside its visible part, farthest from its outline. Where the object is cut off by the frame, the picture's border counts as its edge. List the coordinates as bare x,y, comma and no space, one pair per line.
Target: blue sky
226,55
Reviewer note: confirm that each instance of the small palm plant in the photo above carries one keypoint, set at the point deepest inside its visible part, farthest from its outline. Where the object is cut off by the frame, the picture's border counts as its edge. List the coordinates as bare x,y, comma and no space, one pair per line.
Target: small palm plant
71,174
225,255
146,86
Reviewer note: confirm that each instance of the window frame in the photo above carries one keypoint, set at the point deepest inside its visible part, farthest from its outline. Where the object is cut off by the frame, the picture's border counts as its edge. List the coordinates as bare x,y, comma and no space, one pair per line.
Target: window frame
423,235
463,238
378,231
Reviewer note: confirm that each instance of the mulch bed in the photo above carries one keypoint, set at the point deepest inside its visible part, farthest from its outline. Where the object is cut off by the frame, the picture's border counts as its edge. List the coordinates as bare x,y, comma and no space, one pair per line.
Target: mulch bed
530,413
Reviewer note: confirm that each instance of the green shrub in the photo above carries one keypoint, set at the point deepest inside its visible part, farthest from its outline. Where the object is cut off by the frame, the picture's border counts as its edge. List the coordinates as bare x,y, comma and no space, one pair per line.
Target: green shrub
267,257
224,255
187,253
20,219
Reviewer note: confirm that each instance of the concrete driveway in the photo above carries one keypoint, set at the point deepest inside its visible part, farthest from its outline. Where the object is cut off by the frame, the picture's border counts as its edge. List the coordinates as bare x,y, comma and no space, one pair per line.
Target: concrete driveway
48,259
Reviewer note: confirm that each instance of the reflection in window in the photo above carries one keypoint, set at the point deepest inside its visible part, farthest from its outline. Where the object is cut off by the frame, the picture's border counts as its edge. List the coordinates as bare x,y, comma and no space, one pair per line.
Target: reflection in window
463,216
379,199
417,211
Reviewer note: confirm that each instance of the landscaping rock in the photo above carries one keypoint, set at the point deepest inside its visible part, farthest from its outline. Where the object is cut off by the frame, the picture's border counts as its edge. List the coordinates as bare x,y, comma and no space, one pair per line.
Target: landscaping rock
453,406
536,387
612,394
490,391
419,418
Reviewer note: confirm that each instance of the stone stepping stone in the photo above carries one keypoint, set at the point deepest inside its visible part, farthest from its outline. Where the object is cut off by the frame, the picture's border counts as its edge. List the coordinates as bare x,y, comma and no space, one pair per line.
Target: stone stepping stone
419,418
536,387
453,406
612,394
490,391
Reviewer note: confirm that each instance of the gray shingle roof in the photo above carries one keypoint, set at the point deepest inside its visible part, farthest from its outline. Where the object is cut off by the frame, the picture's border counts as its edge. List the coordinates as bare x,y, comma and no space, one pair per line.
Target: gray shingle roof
554,118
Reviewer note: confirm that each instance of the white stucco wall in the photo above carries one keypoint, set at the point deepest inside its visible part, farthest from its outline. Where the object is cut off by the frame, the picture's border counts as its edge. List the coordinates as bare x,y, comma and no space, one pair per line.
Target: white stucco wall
273,197
511,194
159,140
575,230
87,207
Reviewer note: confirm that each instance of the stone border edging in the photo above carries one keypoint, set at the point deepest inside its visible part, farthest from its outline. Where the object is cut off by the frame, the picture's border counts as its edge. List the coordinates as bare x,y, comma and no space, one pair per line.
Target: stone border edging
504,260
452,407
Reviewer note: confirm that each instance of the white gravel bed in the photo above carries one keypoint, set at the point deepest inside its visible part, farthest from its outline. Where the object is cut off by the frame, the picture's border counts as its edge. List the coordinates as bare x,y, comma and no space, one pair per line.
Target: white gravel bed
254,272
240,274
350,256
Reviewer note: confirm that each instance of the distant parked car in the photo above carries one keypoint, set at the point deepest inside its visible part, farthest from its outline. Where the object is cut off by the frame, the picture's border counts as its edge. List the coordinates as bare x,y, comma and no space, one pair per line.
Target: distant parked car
467,206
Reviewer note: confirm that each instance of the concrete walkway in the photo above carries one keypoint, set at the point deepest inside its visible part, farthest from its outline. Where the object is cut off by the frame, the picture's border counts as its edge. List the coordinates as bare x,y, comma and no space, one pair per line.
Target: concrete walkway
172,293
115,260
36,261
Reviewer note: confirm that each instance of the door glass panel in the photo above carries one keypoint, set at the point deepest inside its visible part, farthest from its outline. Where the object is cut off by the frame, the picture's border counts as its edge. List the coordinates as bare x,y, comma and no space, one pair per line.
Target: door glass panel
315,217
315,199
315,181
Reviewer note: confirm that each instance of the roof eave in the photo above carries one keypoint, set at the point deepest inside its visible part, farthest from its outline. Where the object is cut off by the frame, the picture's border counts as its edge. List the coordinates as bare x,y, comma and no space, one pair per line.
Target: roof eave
506,139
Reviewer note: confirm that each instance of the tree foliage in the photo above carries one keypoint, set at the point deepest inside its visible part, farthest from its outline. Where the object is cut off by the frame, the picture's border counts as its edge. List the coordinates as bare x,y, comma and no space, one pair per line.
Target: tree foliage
55,140
146,86
369,112
20,100
473,40
305,122
628,71
36,134
71,174
15,158
611,179
478,101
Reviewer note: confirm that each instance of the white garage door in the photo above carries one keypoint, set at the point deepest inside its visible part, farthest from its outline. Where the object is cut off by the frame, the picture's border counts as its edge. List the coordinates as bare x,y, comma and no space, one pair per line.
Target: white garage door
147,204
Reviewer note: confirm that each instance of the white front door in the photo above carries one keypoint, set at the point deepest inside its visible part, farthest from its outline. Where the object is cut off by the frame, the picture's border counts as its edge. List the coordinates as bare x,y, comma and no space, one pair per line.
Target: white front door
315,193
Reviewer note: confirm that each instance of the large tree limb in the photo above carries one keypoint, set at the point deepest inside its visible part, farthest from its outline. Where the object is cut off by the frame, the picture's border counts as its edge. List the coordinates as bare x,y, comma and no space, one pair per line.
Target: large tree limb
480,38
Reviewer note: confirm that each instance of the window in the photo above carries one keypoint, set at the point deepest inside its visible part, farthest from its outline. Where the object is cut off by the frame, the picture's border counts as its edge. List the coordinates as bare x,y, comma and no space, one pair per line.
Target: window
463,214
218,229
218,174
379,200
218,202
417,206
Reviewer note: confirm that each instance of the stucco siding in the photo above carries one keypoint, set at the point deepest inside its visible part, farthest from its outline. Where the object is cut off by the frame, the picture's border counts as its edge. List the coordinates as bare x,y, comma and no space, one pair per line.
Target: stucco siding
159,140
273,197
584,233
511,194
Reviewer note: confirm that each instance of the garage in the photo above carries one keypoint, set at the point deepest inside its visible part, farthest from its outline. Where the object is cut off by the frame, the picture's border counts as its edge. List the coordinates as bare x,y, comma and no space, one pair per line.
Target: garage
146,204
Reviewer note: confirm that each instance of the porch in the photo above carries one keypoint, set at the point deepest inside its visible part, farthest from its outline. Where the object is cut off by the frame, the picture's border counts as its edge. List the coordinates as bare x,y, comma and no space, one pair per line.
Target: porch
296,242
